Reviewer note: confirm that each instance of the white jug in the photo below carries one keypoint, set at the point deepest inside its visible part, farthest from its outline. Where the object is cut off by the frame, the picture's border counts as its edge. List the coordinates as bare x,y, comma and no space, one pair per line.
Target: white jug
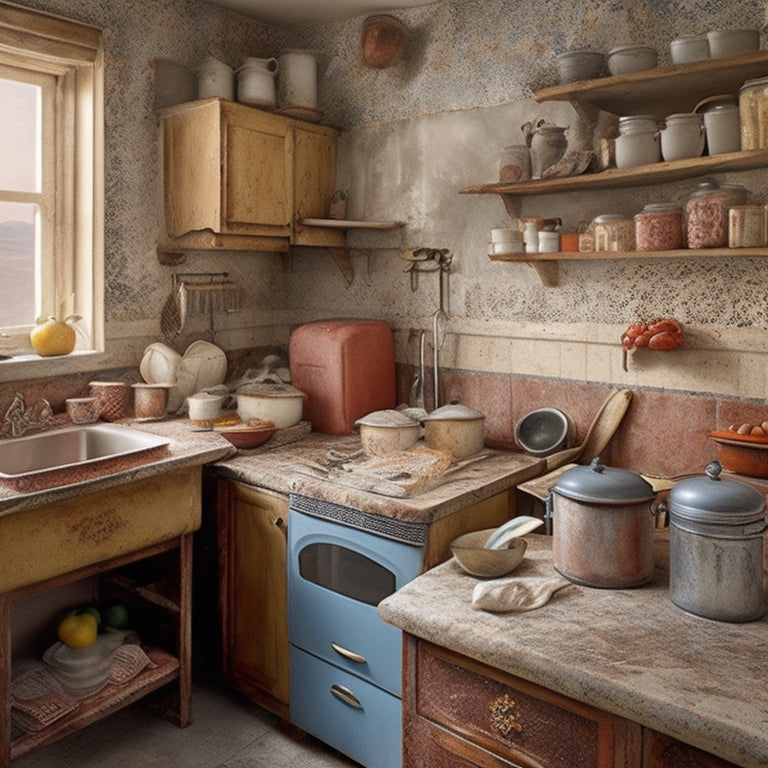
297,82
256,82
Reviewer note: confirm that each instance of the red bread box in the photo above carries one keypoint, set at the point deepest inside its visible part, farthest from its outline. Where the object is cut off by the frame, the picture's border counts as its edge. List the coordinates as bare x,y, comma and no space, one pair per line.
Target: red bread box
346,368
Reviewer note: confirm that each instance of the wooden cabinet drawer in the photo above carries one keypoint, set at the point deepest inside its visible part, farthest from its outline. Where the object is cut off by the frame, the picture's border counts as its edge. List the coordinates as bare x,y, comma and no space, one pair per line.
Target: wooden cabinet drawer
516,720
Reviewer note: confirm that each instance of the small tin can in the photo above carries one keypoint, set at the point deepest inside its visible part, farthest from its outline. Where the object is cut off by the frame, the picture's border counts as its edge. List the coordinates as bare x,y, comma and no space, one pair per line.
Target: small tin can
746,226
659,227
716,547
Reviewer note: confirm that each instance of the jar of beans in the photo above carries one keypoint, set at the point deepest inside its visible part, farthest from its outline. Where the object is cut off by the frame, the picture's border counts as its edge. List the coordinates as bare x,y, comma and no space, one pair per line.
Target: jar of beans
707,214
659,227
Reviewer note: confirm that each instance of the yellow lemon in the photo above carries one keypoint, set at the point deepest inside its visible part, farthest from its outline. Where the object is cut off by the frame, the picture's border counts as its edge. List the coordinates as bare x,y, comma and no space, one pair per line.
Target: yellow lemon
52,337
78,630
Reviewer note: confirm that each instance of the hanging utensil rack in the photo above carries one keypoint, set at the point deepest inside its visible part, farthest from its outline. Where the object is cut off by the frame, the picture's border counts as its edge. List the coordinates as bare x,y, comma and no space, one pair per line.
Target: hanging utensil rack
209,292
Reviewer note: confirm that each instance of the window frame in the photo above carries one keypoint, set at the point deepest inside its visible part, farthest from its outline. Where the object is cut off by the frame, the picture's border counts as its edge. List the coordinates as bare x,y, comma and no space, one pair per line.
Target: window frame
72,53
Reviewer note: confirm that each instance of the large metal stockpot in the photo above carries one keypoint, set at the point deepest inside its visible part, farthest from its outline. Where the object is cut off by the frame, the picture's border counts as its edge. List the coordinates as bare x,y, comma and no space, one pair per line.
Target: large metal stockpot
603,523
716,547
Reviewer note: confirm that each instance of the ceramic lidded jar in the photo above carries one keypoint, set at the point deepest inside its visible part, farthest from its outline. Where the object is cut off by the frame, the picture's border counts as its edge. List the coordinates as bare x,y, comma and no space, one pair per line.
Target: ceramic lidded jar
637,142
716,547
455,429
682,136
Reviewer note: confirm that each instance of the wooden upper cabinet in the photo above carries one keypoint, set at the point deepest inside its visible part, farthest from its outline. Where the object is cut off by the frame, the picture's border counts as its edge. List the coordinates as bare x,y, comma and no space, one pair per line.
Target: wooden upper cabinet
233,173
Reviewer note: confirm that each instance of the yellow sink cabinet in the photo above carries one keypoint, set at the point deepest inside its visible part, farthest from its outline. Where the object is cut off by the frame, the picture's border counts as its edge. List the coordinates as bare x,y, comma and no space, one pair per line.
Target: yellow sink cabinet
107,534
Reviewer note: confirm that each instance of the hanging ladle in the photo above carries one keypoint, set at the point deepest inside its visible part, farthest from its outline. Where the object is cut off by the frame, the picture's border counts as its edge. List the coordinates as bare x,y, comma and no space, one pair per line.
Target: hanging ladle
439,324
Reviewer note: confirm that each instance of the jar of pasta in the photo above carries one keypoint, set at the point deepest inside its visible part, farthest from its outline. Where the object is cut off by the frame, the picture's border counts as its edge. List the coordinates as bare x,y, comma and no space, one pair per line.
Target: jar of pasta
753,113
614,233
659,227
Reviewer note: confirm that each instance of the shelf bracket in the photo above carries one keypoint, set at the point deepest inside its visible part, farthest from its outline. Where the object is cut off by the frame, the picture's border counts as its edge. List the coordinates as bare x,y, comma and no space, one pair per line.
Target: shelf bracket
341,257
512,204
548,272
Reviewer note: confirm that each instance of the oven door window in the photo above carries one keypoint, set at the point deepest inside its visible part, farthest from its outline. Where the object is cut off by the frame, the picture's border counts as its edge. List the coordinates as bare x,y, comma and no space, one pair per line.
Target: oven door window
346,572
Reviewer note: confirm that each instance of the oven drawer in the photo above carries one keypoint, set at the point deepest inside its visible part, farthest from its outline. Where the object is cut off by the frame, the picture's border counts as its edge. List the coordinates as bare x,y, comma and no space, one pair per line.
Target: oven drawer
370,733
336,577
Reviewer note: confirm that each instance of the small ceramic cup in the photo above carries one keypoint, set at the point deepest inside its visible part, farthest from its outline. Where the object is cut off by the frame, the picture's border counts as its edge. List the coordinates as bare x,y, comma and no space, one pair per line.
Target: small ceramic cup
150,401
82,410
112,397
204,408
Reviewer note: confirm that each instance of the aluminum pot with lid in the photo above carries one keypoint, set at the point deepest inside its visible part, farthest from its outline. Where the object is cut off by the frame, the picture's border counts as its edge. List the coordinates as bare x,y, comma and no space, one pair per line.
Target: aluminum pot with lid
455,429
716,547
603,523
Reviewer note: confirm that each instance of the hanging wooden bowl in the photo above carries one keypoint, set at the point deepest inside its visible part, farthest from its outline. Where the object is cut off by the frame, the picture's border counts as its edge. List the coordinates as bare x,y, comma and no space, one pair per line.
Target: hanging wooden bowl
383,41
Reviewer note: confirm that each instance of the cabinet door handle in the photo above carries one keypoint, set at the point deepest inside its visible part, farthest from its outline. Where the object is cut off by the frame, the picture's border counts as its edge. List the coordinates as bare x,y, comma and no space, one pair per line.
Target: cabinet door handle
347,654
340,692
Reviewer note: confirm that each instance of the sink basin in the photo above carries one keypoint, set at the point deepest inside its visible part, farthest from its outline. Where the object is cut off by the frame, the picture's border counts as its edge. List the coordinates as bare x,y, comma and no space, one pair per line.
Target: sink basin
65,456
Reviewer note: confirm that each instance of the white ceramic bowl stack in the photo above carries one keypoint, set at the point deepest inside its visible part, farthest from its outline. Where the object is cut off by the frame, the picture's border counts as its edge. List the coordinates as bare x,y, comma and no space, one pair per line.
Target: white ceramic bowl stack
506,240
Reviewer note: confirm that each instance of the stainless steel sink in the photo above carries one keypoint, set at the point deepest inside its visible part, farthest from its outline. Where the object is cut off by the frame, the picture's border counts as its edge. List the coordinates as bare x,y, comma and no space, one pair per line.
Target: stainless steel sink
70,448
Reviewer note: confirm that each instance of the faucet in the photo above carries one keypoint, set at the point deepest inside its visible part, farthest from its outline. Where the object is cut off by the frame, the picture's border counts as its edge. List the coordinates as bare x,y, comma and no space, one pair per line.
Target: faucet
19,419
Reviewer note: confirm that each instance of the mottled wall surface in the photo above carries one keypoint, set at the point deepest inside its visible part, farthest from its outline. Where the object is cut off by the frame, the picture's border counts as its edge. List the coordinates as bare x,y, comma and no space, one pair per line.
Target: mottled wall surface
421,131
135,33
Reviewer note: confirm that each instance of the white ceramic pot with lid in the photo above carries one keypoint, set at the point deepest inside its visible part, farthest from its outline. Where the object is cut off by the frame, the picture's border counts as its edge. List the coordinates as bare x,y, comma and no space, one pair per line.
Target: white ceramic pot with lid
388,431
637,142
455,429
723,128
716,547
682,136
282,404
602,526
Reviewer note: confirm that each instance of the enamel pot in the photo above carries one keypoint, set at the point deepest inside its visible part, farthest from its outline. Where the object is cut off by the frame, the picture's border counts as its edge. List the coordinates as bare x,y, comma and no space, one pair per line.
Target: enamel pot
603,523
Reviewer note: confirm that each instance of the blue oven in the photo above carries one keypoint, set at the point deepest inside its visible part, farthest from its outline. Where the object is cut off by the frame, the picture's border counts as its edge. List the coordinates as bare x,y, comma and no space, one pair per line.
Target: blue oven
345,674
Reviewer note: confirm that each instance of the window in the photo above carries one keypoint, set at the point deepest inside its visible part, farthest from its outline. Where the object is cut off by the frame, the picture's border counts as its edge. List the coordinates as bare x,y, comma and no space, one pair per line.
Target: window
51,175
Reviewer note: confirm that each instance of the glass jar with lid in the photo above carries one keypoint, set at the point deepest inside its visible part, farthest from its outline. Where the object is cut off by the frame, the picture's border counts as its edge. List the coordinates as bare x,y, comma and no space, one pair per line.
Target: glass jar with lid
707,213
753,113
746,226
659,227
613,232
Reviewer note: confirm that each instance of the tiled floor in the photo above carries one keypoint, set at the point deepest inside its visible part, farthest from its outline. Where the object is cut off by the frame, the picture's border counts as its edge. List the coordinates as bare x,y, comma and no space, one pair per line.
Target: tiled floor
228,732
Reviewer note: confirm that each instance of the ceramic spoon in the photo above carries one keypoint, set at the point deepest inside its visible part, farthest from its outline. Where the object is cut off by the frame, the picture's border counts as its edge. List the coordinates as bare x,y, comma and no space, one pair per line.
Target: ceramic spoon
518,526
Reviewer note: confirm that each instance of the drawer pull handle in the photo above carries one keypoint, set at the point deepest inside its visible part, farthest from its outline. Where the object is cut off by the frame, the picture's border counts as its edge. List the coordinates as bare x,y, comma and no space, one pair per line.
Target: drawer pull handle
340,692
347,654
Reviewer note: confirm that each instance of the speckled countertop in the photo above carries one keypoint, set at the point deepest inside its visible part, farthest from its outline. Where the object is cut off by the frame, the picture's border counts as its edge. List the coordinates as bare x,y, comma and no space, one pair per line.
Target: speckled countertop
631,652
276,470
187,448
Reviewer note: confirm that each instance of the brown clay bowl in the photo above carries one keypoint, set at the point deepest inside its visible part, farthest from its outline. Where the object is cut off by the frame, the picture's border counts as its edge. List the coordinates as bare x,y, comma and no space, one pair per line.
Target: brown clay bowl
470,553
243,436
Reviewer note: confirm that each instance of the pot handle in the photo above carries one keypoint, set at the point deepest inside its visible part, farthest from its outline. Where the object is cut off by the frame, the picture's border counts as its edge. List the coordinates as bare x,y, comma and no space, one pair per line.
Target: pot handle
548,514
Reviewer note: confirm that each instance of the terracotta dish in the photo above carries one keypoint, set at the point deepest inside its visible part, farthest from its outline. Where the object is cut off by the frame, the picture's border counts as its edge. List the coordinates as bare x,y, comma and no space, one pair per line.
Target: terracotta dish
382,42
243,436
743,454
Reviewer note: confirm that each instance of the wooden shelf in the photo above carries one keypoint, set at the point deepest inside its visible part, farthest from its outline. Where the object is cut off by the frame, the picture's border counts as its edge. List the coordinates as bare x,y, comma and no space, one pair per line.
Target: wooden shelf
642,175
663,90
350,224
108,700
546,264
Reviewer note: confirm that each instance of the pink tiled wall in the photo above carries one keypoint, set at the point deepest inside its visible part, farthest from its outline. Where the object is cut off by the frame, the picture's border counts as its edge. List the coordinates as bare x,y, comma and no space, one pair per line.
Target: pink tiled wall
663,434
